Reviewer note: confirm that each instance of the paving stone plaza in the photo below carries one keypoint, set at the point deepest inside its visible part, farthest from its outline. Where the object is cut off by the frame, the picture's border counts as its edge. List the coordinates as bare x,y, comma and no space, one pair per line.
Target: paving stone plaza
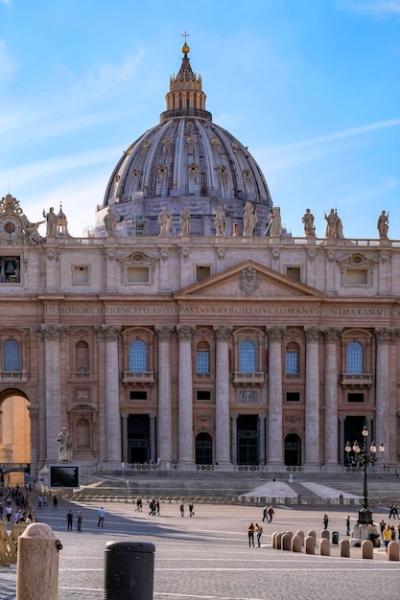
208,558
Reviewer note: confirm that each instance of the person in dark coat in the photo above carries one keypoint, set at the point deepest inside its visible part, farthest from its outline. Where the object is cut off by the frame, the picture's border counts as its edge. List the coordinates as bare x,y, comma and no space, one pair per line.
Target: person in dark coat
70,519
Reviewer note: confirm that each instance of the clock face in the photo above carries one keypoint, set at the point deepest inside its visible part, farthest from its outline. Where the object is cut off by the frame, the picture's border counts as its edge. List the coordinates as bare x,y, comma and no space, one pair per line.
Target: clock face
10,227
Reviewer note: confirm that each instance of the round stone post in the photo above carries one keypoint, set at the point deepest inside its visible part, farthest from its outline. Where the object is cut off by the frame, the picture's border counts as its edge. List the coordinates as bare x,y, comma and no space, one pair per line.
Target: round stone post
393,551
367,549
310,545
37,563
297,543
287,540
324,547
300,534
345,548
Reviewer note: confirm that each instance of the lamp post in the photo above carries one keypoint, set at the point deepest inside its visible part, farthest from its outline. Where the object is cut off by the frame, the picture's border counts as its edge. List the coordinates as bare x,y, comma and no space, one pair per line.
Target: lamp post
364,456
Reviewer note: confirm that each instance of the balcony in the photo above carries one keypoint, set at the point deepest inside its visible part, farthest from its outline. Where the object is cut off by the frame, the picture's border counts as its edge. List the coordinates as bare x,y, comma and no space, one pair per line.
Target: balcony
242,378
144,377
13,377
356,379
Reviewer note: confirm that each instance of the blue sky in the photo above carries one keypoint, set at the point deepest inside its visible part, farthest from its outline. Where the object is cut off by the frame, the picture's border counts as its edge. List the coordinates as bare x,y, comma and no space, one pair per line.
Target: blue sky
311,86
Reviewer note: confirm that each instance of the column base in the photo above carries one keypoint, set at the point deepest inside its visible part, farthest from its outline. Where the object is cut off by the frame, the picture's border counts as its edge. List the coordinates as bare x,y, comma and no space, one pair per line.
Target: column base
224,465
185,465
312,467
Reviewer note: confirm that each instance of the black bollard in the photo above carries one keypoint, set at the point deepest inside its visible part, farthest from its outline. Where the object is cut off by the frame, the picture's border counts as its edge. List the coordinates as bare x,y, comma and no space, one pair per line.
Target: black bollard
128,571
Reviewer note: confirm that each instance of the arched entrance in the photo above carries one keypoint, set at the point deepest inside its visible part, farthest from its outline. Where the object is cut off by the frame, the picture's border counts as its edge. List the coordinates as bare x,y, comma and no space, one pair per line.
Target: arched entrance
247,440
292,450
203,449
15,437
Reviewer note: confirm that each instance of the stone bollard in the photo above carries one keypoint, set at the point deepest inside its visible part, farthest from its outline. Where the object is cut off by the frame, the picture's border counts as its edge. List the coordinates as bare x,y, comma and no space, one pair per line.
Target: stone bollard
324,547
273,539
367,549
297,543
129,570
278,540
393,551
310,545
300,534
324,534
313,534
37,564
345,548
287,540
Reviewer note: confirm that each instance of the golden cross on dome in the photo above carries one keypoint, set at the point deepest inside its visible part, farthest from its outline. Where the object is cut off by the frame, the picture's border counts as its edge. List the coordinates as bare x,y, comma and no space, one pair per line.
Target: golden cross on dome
185,34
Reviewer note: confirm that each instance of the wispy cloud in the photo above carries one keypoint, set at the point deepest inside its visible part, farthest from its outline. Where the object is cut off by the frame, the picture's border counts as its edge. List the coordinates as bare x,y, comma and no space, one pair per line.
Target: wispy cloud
287,156
379,9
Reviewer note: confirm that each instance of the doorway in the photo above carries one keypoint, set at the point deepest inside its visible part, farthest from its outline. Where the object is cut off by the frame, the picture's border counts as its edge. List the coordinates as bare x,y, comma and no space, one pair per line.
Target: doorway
139,439
247,439
203,449
292,450
353,427
15,437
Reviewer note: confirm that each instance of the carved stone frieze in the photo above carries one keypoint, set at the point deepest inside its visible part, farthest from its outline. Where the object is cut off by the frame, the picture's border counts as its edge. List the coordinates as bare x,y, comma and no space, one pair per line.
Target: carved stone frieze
248,281
164,332
185,332
223,332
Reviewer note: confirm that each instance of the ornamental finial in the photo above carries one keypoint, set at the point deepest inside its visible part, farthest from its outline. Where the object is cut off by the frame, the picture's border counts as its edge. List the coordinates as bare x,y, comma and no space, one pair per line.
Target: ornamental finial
185,47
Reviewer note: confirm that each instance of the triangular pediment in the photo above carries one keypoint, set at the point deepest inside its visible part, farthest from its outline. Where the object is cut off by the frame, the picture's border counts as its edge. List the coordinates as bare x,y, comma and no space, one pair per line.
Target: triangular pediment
248,280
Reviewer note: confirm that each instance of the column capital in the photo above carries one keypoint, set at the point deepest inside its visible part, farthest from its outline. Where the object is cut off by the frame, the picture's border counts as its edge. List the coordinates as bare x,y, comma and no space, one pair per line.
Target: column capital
164,332
109,332
51,331
384,335
332,334
223,332
275,333
185,332
312,334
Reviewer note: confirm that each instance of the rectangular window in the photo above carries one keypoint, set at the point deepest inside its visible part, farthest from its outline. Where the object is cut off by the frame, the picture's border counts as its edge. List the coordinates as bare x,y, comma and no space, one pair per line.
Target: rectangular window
355,397
202,362
203,395
292,396
80,275
138,395
138,274
292,362
357,276
202,272
10,269
293,273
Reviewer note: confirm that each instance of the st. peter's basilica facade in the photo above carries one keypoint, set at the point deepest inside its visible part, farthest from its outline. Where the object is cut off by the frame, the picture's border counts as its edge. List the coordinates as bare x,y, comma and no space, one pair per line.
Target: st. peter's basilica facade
190,328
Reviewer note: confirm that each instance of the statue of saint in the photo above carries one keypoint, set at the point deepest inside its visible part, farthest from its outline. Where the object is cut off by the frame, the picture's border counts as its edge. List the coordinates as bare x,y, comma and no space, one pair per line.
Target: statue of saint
383,225
64,446
308,220
249,219
274,227
51,219
219,221
334,226
339,226
186,221
109,222
164,221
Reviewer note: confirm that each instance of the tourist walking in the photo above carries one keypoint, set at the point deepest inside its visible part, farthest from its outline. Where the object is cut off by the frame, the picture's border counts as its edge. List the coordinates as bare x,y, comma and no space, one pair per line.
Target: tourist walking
191,510
70,518
250,533
101,513
393,512
348,525
79,521
265,514
139,505
259,532
182,509
158,508
55,502
325,521
9,512
271,513
382,525
387,537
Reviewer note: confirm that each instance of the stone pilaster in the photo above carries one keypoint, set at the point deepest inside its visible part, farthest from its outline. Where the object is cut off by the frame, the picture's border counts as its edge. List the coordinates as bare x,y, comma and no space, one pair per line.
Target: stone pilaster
234,439
185,379
222,454
124,427
261,439
164,394
275,408
331,396
153,438
112,413
52,334
382,383
342,441
312,456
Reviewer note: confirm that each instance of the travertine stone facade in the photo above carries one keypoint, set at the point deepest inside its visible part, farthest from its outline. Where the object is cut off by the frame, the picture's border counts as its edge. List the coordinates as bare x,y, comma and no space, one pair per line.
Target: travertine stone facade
213,347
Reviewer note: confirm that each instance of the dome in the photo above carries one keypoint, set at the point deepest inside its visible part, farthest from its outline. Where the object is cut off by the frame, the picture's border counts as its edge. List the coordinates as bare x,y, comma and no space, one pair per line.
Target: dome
185,161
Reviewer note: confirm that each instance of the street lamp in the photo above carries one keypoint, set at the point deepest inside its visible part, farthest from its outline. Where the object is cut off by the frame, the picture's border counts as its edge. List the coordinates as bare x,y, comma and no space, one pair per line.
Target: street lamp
362,457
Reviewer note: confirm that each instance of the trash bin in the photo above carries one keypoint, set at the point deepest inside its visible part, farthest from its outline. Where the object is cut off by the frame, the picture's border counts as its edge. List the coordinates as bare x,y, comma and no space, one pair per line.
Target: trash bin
335,537
129,570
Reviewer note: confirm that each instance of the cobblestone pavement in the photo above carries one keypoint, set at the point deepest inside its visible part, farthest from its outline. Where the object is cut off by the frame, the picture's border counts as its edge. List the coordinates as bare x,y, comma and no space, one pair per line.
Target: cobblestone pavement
208,558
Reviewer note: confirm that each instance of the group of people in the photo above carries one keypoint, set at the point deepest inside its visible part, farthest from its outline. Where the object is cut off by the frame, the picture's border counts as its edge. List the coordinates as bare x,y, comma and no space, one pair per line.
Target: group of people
190,508
268,513
20,498
70,520
154,506
254,530
394,511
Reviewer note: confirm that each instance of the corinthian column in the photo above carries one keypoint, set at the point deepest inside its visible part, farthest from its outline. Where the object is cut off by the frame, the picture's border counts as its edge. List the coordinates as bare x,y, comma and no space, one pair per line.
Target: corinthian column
331,382
52,335
222,440
312,457
185,419
275,428
164,395
113,422
382,390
